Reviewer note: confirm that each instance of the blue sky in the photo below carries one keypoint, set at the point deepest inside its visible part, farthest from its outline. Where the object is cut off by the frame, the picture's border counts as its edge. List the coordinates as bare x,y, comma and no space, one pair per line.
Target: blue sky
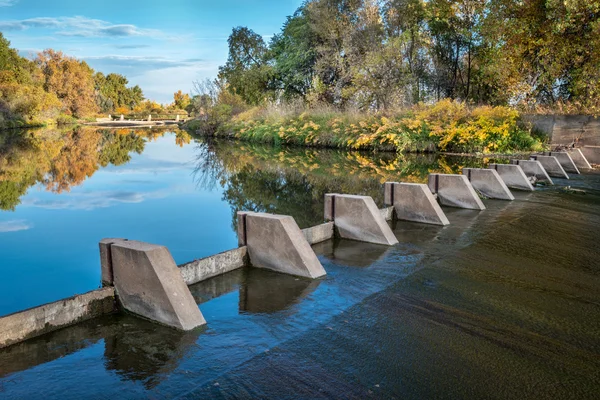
163,46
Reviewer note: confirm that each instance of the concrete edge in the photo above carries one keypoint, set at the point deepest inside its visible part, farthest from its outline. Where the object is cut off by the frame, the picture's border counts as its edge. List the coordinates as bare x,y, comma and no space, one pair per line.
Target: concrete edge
36,321
205,268
319,233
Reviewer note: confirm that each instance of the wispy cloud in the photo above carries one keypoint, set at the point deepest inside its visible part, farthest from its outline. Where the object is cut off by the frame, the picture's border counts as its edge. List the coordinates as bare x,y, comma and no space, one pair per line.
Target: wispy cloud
136,65
79,27
15,225
132,46
8,3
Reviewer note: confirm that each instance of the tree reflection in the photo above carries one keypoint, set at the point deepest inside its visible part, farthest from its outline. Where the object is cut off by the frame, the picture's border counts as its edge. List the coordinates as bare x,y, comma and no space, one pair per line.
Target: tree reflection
60,159
293,181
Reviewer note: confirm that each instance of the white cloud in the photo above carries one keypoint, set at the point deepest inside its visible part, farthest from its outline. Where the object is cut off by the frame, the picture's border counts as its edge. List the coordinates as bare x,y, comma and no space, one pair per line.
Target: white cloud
15,225
79,27
8,3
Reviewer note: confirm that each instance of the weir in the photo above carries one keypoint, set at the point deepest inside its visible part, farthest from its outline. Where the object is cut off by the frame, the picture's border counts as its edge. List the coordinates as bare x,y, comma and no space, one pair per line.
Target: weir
551,165
488,183
565,161
579,159
455,191
533,169
358,218
143,279
513,176
414,202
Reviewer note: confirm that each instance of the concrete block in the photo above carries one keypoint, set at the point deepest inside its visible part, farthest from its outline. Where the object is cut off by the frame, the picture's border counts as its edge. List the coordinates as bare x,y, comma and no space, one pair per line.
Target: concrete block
565,161
209,267
513,176
533,168
488,183
455,191
358,218
106,260
414,202
149,284
37,321
275,242
591,153
551,165
387,213
579,159
319,233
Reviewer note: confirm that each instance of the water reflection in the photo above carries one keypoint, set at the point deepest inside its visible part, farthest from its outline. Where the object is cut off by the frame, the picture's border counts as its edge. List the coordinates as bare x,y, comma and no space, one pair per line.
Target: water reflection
134,349
260,291
352,253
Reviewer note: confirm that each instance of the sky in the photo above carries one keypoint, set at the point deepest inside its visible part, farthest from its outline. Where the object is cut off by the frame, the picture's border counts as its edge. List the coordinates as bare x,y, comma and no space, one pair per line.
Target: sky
163,46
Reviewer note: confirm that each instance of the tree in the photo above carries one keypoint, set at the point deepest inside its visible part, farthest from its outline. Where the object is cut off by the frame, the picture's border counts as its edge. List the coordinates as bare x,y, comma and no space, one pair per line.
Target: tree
247,71
180,100
70,80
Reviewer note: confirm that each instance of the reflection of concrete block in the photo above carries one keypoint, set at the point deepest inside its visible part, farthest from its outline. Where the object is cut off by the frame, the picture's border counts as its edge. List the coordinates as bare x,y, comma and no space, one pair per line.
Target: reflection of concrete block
565,161
552,166
149,284
455,191
533,168
488,183
275,242
513,176
414,202
579,159
358,218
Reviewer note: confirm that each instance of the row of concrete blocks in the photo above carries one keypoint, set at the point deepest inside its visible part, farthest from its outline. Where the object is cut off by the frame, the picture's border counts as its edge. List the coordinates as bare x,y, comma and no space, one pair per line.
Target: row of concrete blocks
144,279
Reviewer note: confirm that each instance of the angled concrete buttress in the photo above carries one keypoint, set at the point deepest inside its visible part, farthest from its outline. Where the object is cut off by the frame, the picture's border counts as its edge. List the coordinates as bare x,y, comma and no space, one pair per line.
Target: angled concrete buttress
149,284
533,168
455,191
565,161
358,218
414,202
552,166
579,159
591,153
276,242
488,183
513,176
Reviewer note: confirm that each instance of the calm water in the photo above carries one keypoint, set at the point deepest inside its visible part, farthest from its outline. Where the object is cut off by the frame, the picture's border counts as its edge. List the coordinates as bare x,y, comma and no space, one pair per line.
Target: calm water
503,303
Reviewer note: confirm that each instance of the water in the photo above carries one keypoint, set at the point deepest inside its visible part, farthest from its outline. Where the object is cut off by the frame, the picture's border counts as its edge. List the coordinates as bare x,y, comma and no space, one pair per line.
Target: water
503,303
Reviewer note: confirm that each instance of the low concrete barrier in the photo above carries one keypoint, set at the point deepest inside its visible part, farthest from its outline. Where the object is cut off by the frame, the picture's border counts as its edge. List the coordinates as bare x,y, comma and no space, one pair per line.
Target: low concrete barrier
358,218
552,166
209,267
488,183
513,176
455,191
533,168
149,284
275,242
37,321
414,202
565,160
579,159
319,233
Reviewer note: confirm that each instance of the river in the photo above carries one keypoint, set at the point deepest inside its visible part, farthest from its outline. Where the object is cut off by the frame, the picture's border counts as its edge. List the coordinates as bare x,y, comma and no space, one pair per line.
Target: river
503,303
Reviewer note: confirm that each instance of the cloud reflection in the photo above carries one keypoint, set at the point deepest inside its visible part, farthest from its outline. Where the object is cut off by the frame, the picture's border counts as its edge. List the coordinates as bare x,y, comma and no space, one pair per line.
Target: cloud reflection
15,225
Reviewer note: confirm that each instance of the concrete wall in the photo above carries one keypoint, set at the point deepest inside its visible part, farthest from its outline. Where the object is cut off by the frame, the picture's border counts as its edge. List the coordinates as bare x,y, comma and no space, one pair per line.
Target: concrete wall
566,129
36,321
200,270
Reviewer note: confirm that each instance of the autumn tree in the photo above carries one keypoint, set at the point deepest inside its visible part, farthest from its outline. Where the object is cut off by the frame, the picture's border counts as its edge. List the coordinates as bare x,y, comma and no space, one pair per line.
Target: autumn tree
70,80
181,100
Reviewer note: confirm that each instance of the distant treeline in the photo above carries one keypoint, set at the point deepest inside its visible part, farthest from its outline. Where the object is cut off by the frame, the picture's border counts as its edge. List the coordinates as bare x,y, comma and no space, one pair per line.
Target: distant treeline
384,54
54,87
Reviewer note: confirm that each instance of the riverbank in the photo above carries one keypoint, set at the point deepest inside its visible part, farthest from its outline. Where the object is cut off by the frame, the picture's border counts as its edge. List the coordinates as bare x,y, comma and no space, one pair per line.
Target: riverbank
445,126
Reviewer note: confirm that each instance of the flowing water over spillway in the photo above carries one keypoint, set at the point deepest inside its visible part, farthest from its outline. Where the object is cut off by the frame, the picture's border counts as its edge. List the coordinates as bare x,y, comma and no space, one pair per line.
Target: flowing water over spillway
503,303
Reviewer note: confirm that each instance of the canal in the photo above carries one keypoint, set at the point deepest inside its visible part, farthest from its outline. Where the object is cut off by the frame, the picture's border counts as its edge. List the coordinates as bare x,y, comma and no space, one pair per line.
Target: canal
503,303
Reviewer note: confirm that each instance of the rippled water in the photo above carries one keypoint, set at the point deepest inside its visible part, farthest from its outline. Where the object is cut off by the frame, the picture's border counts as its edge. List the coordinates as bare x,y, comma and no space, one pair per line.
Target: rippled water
503,303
